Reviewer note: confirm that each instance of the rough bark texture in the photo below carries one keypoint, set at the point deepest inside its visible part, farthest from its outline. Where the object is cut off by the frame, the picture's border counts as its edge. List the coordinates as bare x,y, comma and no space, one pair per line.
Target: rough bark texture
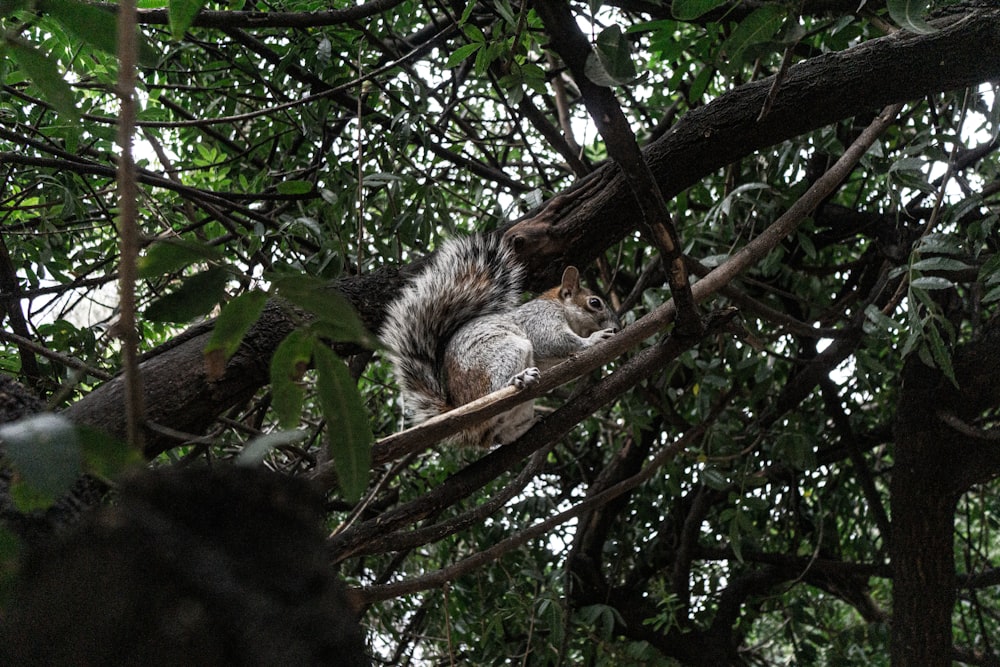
177,390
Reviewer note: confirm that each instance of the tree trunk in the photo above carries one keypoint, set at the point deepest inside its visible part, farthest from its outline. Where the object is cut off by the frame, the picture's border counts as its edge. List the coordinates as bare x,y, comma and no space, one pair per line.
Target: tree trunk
934,464
923,563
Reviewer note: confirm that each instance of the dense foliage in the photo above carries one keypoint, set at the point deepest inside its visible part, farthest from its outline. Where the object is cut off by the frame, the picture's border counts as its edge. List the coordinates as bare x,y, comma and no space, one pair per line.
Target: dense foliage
286,147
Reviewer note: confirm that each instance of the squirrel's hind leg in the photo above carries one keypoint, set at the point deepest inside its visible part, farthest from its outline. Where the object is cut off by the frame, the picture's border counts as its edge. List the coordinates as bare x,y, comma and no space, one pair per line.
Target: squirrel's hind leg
477,365
512,424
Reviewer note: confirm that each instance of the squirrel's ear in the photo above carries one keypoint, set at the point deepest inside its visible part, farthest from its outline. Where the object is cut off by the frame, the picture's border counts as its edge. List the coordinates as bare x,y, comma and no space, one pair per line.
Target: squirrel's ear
570,282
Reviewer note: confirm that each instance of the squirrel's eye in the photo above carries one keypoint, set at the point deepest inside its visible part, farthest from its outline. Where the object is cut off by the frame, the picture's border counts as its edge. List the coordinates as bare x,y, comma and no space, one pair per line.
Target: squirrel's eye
595,303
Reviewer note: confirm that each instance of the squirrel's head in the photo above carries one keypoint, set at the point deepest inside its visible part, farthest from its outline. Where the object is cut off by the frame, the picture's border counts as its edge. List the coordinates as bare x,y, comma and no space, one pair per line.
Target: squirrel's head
586,311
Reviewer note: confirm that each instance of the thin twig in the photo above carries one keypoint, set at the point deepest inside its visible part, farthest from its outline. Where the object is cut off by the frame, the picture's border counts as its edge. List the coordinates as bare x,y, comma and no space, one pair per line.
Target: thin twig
64,359
128,215
450,573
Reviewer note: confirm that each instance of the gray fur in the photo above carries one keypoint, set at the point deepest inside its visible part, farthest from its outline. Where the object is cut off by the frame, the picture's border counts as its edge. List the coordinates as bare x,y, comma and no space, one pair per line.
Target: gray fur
457,332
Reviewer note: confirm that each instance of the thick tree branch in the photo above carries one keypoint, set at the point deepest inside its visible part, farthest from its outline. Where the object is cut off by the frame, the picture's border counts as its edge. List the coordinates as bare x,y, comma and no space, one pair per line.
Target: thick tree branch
575,226
601,209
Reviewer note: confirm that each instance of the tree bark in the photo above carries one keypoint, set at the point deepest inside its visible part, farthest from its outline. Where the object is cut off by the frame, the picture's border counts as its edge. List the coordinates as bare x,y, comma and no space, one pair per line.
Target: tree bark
177,391
923,564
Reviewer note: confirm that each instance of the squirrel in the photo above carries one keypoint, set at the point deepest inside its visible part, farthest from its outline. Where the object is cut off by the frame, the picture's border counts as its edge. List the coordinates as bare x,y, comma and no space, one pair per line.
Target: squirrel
459,331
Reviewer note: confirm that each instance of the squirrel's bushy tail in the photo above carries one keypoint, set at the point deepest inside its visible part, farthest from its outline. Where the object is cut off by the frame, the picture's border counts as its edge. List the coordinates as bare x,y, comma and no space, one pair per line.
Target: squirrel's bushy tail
467,278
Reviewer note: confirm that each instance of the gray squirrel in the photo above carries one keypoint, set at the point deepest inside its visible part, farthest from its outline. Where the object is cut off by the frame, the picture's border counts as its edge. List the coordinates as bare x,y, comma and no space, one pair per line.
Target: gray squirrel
459,331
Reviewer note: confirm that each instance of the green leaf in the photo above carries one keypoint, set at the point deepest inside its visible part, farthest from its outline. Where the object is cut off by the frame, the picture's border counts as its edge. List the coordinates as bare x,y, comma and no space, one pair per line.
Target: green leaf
807,245
380,179
473,32
992,295
714,478
44,74
505,11
172,255
231,326
736,537
940,353
288,365
89,23
908,164
610,64
255,450
700,84
461,54
931,283
294,187
336,317
686,10
45,452
197,295
347,422
485,57
909,14
990,268
941,244
93,25
875,315
182,14
940,264
914,328
468,11
759,26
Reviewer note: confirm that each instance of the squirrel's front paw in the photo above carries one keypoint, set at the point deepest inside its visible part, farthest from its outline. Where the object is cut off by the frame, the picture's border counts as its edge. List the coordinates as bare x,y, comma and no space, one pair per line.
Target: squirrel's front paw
526,378
601,335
